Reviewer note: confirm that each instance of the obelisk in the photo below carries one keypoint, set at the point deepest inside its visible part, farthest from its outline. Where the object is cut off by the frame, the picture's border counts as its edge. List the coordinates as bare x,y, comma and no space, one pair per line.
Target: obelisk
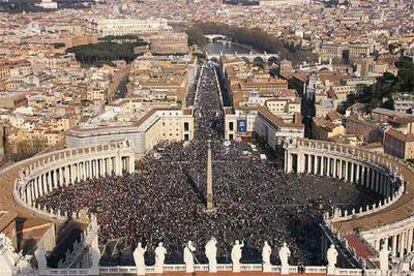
210,204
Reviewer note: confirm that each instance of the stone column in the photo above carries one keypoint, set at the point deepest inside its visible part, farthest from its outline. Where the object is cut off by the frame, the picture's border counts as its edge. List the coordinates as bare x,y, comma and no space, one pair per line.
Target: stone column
335,170
354,172
289,163
364,176
67,174
73,173
328,166
89,169
315,164
322,165
394,246
132,164
102,167
118,165
402,243
29,195
55,179
36,187
346,170
358,177
410,240
44,184
285,162
80,171
49,181
85,170
61,176
111,163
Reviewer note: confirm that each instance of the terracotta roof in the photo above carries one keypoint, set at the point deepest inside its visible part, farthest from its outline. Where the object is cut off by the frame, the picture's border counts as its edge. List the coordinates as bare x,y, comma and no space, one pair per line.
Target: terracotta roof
361,249
400,136
277,120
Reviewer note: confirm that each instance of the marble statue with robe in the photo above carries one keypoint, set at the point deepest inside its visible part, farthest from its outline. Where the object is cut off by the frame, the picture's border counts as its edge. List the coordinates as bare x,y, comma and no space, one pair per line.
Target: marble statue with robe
266,252
236,254
160,253
40,256
284,254
139,258
332,257
189,250
211,253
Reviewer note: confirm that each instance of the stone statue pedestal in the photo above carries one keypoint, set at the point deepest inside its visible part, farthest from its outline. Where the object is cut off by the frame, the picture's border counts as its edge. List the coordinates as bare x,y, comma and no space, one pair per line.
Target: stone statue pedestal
212,268
284,270
141,270
159,269
331,270
236,267
267,268
189,268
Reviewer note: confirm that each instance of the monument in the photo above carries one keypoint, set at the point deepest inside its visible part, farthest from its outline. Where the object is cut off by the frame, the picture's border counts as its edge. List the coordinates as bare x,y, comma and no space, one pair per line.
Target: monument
210,204
160,253
139,259
189,250
266,252
211,253
284,254
332,257
40,256
236,253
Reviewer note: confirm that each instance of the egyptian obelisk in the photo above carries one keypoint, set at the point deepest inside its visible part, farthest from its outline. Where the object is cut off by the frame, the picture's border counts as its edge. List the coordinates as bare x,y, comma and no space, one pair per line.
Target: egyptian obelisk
210,204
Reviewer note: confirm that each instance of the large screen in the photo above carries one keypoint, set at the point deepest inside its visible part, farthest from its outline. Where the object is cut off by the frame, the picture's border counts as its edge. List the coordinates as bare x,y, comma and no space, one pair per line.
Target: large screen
241,125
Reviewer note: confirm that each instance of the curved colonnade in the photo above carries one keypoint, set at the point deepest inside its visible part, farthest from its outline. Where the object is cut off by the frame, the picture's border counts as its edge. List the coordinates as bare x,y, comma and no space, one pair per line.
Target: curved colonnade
61,168
388,222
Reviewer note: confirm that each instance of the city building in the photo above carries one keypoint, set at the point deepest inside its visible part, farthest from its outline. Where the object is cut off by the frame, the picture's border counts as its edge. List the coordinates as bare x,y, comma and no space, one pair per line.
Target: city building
119,27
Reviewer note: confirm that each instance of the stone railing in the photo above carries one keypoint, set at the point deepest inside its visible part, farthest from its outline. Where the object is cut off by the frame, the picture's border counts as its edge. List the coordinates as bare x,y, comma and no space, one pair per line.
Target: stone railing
341,215
115,270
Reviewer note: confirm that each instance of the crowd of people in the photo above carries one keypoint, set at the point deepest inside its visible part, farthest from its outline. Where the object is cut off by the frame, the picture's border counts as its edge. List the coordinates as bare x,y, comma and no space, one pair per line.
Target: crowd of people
254,200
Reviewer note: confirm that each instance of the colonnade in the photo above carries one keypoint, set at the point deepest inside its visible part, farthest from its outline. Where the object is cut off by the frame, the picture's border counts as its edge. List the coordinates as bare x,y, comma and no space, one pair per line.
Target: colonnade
72,166
348,169
377,172
399,237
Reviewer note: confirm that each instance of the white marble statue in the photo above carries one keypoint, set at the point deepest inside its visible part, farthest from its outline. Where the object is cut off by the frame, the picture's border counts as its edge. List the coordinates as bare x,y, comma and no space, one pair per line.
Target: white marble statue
211,253
160,253
8,257
284,254
266,252
384,258
189,249
23,265
139,258
40,256
332,257
236,253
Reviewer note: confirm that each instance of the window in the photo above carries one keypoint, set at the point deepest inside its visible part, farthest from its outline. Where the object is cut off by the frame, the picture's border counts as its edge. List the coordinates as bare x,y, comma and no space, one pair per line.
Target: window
231,137
231,126
186,126
186,137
